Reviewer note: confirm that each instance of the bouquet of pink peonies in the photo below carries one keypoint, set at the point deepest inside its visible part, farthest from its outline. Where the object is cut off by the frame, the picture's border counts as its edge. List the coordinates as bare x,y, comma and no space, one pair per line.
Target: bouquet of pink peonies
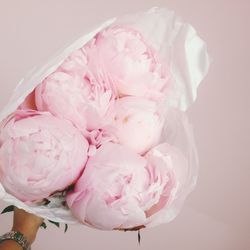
99,135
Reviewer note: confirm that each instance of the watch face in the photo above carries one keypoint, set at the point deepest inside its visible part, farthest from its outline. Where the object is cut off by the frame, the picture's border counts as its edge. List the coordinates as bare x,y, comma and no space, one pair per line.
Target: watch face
18,236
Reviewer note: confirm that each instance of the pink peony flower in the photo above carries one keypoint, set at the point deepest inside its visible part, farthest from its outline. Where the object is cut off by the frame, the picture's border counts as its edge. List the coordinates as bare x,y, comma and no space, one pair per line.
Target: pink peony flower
39,154
29,102
167,156
138,123
120,56
72,93
121,189
75,63
98,137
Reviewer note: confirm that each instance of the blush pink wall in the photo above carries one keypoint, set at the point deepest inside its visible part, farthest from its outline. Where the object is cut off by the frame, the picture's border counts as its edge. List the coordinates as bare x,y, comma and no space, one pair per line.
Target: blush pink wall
216,215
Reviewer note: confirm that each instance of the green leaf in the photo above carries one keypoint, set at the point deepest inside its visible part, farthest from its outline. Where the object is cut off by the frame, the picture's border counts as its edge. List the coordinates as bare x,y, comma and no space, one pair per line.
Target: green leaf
43,225
55,223
8,209
139,237
66,228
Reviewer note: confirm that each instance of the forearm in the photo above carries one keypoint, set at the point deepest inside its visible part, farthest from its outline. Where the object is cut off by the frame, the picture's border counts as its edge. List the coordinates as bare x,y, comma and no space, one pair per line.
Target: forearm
24,231
10,245
19,238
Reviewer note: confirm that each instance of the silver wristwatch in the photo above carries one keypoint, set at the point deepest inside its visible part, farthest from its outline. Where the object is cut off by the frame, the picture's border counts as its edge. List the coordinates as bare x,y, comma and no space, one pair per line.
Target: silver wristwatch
18,237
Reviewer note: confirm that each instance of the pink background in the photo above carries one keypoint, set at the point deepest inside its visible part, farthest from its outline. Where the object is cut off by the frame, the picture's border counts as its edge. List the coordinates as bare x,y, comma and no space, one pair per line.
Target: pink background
216,215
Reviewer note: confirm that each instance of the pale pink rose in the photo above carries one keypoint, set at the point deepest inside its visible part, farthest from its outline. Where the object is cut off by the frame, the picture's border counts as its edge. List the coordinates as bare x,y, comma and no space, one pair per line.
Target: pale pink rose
39,154
71,93
120,56
121,189
138,123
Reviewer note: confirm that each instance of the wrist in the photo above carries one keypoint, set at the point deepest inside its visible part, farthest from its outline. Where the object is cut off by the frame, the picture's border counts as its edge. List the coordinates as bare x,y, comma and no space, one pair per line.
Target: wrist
14,239
28,232
26,223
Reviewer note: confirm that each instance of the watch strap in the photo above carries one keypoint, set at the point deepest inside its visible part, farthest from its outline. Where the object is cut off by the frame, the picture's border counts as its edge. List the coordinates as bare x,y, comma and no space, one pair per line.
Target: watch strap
18,237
